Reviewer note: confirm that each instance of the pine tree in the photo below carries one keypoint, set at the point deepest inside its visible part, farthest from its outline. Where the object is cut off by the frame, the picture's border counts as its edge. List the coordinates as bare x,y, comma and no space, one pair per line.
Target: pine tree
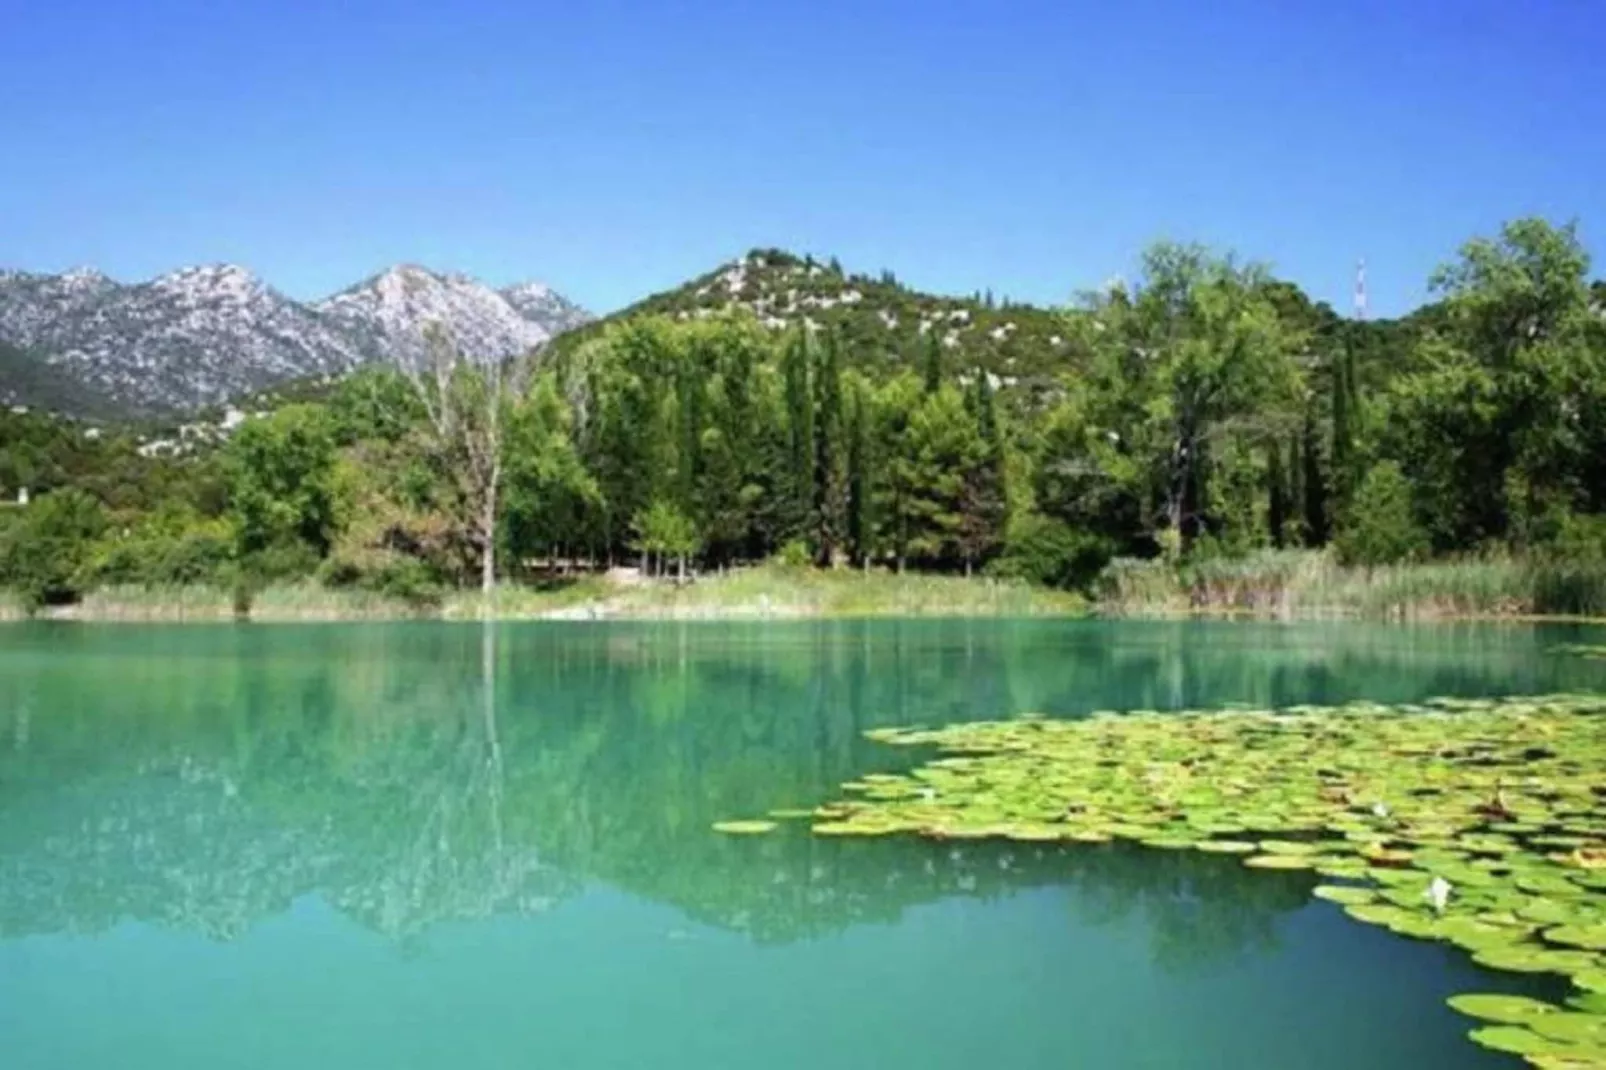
830,489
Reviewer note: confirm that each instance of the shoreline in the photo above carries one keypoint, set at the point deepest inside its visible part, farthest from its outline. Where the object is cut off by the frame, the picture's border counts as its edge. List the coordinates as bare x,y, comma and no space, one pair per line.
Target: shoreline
603,611
761,593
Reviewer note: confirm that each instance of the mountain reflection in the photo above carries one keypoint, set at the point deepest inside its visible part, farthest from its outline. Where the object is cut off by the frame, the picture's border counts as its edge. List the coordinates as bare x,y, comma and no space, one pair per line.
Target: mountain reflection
206,778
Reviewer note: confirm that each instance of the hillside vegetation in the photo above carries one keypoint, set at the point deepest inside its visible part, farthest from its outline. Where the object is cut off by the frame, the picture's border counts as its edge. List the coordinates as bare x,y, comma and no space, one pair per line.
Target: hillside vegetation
880,323
1190,434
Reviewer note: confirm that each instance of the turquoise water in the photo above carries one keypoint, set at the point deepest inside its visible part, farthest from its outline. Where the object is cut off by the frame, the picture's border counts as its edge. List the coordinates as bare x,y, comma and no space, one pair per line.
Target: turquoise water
434,846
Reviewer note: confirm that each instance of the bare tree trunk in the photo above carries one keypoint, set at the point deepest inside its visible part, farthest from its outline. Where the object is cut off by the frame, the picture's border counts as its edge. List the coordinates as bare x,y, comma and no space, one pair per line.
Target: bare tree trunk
488,534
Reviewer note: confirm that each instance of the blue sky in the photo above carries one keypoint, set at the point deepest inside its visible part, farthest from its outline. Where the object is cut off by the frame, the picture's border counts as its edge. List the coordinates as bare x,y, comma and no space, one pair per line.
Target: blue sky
614,149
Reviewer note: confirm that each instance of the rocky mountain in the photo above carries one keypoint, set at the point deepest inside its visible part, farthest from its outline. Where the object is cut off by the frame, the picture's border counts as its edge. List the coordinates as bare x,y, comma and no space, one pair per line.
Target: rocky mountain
539,302
385,316
879,319
201,335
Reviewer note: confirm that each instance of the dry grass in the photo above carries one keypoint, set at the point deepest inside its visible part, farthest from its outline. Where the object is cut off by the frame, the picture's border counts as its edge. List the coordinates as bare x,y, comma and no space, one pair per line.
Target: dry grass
774,591
1290,583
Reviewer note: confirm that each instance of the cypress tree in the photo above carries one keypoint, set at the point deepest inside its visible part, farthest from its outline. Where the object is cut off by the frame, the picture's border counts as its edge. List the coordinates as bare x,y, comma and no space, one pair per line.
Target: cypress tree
830,490
1277,493
861,524
1343,432
983,506
800,434
1317,530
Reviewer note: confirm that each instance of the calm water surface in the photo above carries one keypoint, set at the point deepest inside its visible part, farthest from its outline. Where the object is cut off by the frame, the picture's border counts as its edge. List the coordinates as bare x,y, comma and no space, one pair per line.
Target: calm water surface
433,846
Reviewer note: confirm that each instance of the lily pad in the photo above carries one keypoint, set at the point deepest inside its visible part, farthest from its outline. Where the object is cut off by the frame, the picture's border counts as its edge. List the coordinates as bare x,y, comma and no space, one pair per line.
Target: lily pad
743,828
1345,895
1507,1010
1592,937
1516,1040
1228,847
1279,862
1533,959
1573,1027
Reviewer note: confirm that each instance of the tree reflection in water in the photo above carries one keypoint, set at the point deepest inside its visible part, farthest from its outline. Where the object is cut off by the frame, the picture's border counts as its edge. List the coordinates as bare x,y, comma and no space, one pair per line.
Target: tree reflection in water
208,777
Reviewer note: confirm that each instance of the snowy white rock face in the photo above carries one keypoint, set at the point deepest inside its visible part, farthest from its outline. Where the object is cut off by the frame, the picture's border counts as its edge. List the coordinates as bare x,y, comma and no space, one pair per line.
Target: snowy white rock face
188,338
541,304
200,335
390,313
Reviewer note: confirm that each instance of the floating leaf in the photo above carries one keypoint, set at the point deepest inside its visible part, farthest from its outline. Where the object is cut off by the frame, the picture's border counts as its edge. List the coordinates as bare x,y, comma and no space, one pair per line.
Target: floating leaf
1343,894
1279,861
1516,1040
1532,959
1507,1010
743,828
1592,937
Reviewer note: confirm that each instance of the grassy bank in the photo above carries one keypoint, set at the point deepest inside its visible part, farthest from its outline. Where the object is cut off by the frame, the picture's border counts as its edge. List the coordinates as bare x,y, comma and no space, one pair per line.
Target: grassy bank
767,592
1272,584
774,591
1291,583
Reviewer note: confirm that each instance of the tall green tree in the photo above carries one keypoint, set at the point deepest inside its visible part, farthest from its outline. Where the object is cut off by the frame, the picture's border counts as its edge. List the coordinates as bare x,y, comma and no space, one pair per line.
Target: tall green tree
897,483
1493,423
861,521
1201,353
983,502
796,375
830,452
549,493
281,482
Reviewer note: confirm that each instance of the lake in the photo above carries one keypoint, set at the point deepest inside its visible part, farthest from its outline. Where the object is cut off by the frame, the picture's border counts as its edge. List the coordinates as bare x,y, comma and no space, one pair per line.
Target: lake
445,845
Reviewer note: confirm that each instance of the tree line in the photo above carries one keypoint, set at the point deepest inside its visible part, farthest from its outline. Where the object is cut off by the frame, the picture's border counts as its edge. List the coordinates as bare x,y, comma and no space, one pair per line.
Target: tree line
1204,409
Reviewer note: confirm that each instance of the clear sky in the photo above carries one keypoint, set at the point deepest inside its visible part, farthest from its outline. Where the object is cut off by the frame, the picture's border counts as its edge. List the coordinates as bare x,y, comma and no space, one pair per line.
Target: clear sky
614,149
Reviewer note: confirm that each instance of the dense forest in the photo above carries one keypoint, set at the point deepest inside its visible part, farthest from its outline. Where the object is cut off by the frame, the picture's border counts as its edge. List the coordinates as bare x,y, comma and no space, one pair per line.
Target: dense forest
1203,412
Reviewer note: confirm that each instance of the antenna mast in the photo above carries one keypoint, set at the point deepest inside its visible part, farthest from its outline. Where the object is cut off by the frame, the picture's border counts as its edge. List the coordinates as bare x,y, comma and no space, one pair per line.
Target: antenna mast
1360,290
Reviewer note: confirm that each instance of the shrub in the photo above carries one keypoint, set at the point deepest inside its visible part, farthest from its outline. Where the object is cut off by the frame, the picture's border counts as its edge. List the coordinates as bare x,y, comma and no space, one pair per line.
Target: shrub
1577,537
1379,527
166,551
1048,551
391,575
794,554
43,554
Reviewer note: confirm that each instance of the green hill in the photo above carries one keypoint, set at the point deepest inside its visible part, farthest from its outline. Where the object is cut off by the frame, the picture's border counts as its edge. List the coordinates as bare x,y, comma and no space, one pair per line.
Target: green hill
878,318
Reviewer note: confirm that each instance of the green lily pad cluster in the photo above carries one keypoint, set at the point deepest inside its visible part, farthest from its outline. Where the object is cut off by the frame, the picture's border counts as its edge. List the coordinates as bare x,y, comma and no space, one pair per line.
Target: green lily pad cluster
1583,650
1473,822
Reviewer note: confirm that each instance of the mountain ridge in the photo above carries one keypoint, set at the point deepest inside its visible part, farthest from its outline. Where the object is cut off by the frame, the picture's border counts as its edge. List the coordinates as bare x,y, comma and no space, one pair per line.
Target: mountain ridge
201,334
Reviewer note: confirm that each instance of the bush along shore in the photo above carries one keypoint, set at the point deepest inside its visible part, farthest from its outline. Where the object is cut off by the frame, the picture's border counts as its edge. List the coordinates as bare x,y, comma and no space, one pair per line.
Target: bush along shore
1205,437
1472,822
